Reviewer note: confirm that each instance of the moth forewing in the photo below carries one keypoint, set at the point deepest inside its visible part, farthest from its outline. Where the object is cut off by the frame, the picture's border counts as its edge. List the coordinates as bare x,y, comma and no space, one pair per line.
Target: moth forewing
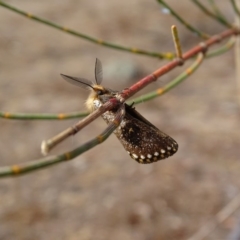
98,71
80,82
131,110
144,142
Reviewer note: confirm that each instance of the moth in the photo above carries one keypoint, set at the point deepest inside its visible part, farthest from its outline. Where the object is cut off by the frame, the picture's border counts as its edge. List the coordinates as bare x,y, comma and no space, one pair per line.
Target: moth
144,142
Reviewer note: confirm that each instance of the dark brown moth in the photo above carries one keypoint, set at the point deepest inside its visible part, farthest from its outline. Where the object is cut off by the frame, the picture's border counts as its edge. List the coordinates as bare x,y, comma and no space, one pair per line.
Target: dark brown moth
142,140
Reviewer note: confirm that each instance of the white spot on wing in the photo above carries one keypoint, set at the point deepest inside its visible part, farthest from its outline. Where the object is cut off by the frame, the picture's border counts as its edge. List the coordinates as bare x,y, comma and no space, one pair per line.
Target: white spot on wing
135,156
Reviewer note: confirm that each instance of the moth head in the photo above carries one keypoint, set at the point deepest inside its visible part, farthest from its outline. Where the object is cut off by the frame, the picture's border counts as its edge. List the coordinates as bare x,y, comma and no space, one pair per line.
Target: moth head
98,96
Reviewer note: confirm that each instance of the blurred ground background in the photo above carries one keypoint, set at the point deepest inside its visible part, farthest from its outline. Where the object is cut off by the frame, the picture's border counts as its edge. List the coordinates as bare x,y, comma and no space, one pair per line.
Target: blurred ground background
104,194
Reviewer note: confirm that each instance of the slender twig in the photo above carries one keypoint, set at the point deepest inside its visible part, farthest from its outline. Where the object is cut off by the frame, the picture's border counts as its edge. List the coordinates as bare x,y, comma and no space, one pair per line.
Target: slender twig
181,20
16,170
218,18
176,41
221,216
219,13
235,7
237,56
86,37
215,7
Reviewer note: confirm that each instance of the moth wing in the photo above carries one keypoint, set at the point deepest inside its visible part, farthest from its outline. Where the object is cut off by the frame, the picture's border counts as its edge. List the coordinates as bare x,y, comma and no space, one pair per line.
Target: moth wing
137,115
144,142
80,82
98,71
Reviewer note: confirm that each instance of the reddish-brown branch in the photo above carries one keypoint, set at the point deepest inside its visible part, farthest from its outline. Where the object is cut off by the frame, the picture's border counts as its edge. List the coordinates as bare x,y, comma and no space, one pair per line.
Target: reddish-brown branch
50,143
202,47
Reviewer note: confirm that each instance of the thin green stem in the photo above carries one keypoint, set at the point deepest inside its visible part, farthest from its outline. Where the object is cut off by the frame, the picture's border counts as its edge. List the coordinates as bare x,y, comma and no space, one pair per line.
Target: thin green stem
235,8
20,169
216,9
226,47
42,116
218,18
168,56
181,20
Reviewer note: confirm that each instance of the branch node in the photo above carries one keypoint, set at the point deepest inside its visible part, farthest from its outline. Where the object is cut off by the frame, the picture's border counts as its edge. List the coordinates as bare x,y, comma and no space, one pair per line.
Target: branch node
218,38
204,47
74,130
180,61
44,148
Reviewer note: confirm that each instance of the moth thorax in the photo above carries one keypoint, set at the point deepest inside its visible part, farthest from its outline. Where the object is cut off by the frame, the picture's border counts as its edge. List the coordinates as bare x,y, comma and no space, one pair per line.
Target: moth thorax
93,102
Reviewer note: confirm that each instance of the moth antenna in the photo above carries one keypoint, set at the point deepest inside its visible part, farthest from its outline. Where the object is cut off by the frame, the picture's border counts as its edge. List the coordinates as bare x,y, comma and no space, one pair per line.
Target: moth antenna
98,71
80,82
